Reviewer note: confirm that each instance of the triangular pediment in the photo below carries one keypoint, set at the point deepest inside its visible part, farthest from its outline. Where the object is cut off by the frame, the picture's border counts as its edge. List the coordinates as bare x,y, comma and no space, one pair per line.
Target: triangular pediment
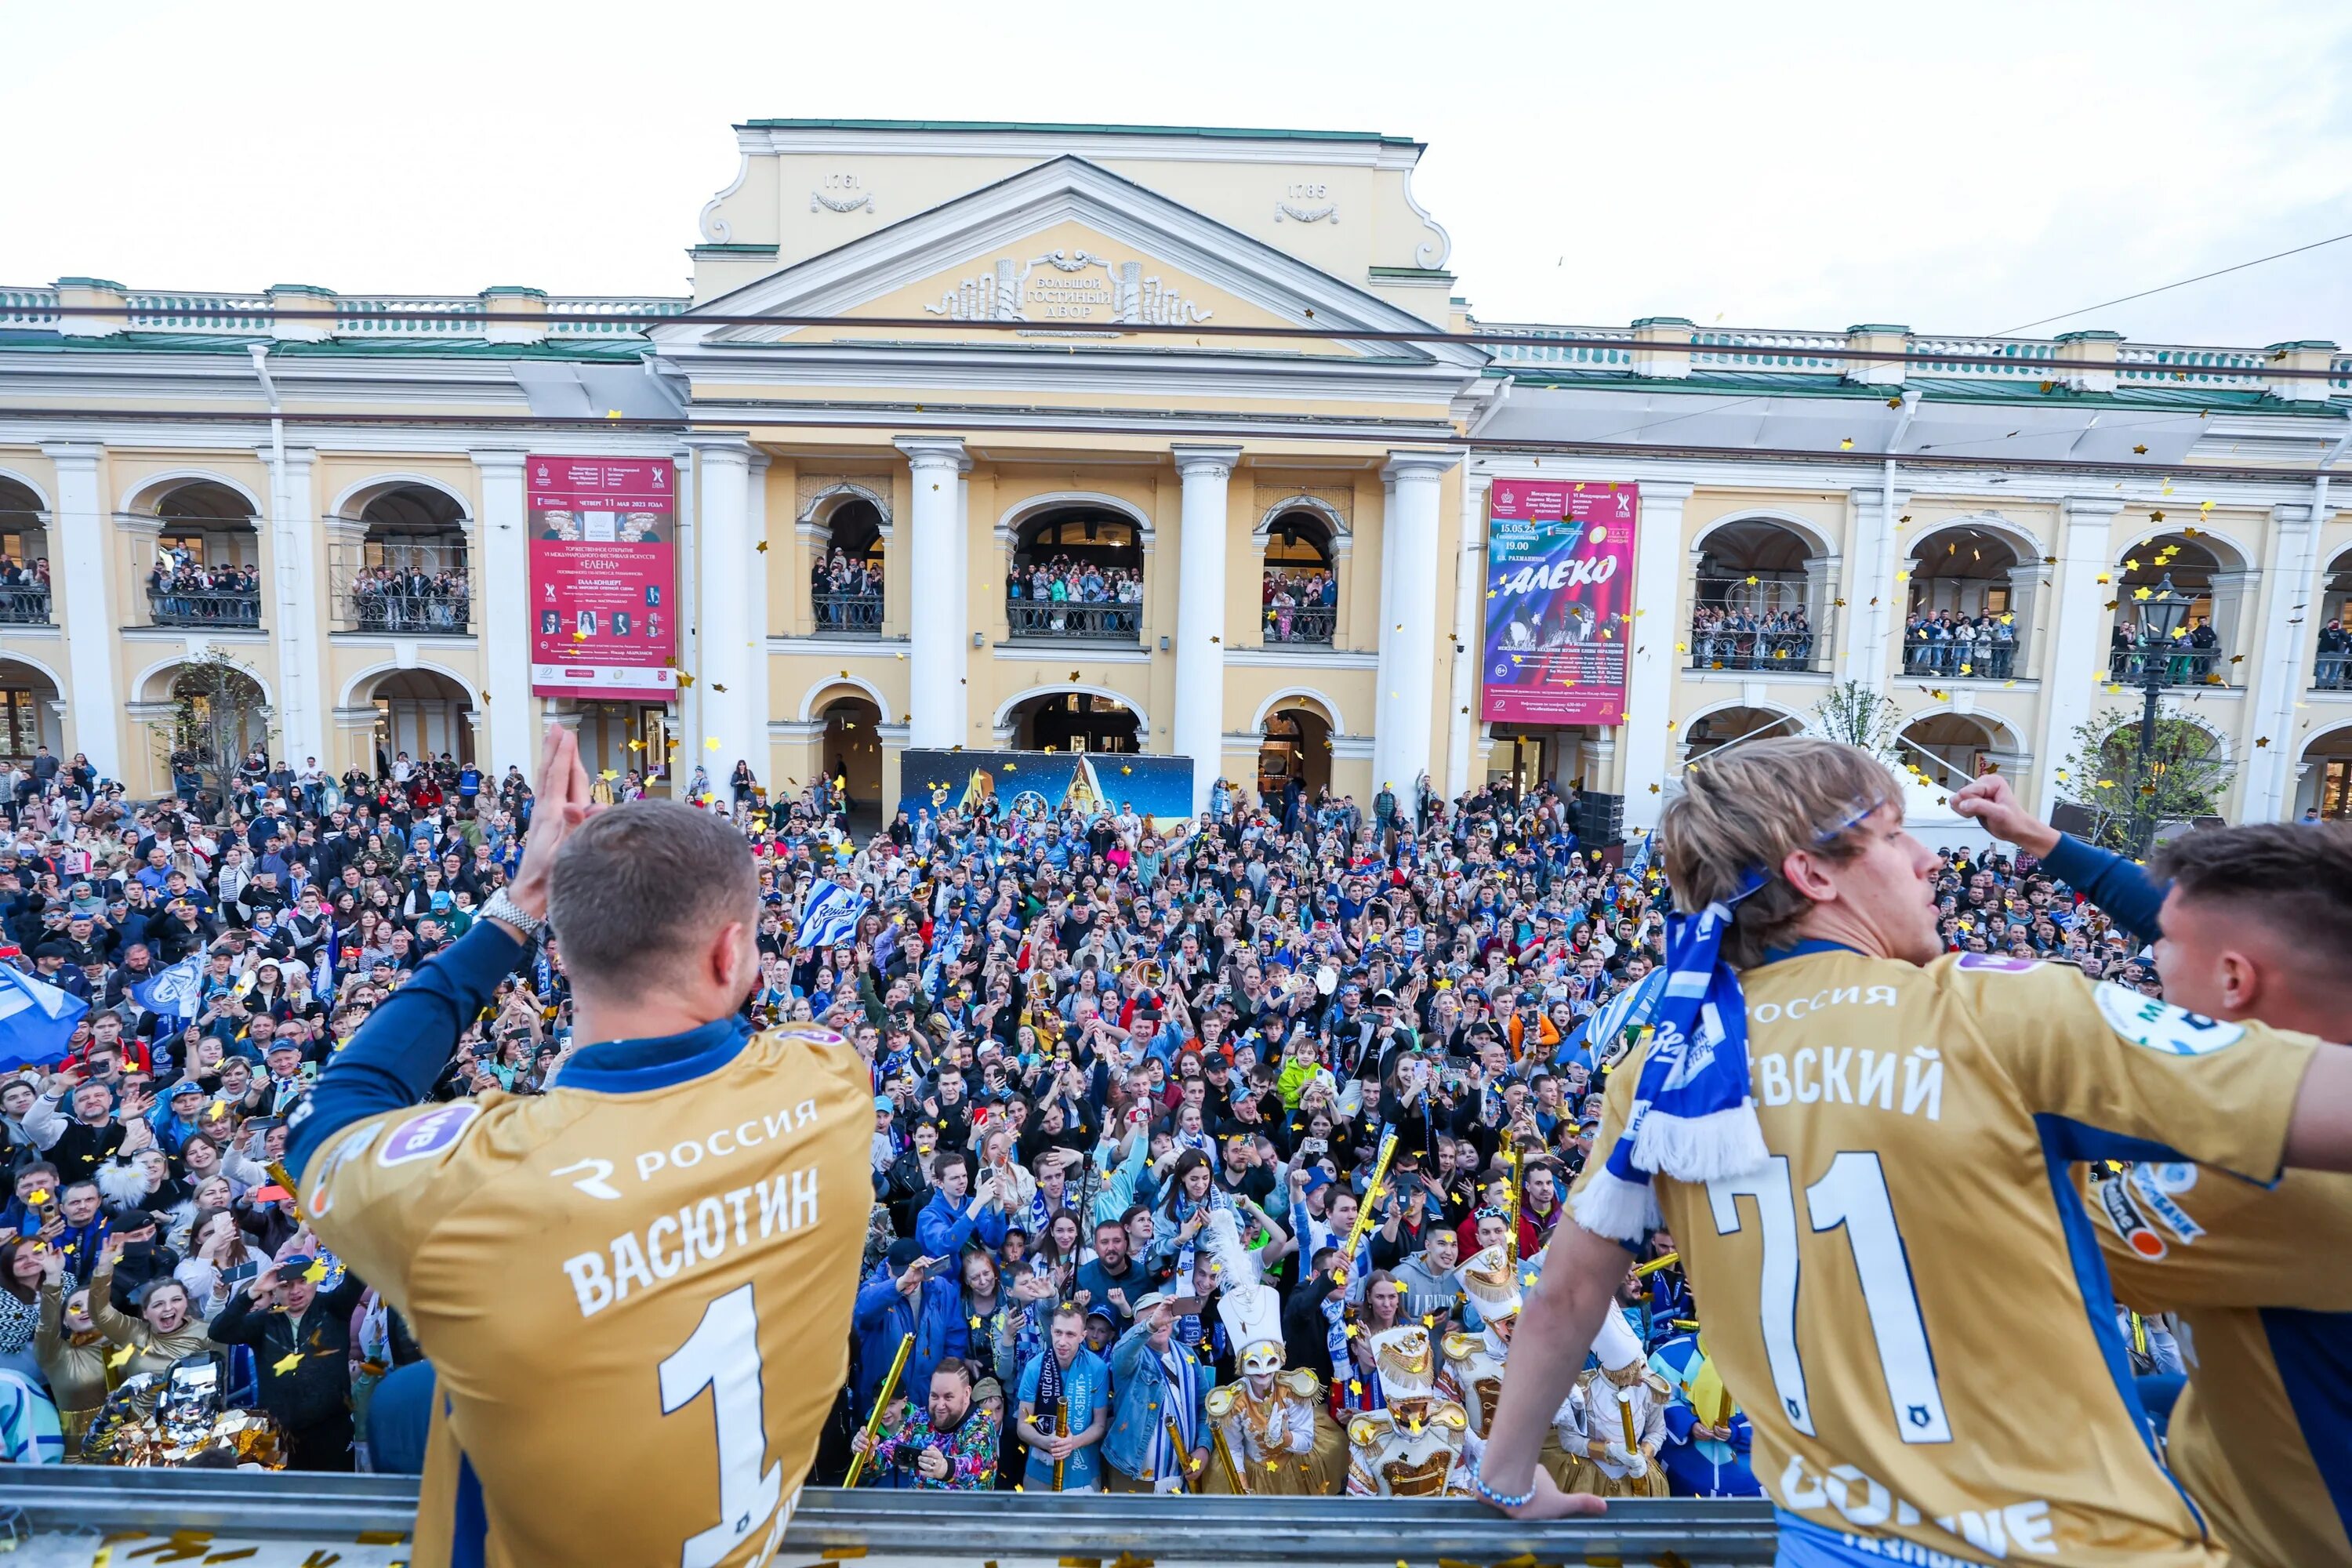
1066,248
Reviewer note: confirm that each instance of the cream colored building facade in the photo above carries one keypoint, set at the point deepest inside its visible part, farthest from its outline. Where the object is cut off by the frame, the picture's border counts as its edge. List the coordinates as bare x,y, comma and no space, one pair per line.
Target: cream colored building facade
912,344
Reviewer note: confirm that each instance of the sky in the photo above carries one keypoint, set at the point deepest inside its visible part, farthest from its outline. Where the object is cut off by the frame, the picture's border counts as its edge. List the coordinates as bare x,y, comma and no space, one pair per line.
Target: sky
1958,169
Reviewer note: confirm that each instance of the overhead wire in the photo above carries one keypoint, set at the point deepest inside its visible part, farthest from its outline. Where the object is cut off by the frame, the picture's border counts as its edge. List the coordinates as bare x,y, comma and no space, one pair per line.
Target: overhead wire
2185,282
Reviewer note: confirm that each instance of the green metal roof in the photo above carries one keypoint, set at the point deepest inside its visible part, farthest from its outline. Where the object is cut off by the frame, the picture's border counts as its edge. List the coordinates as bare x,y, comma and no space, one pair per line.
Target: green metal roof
2017,390
1211,133
607,350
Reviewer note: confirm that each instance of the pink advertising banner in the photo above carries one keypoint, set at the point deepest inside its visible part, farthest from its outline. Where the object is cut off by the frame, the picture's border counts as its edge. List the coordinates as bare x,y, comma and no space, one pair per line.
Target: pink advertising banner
604,576
1559,601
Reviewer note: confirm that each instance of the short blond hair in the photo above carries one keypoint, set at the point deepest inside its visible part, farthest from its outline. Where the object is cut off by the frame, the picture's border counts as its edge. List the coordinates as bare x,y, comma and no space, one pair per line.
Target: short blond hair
1749,807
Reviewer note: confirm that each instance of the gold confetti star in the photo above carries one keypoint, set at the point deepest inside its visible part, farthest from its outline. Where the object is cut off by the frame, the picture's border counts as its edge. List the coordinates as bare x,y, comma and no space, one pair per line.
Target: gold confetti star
1846,444
2140,451
286,1364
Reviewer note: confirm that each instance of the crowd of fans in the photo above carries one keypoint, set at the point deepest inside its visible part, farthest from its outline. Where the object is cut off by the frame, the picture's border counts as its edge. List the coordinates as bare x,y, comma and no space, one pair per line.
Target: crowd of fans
411,599
2190,656
181,590
1088,1038
24,590
847,592
1065,594
1725,637
1949,642
1300,607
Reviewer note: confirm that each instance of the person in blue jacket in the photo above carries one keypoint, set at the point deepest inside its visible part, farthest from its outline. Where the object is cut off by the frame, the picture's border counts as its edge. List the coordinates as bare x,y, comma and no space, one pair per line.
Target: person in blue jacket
915,1293
1156,1381
956,1215
1700,1460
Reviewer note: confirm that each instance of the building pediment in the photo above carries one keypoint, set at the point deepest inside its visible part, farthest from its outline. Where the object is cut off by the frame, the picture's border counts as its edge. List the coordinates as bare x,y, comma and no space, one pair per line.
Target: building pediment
1066,248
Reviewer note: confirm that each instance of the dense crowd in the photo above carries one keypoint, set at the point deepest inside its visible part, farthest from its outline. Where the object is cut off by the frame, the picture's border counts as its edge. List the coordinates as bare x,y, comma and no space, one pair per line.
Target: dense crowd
847,592
1733,638
1300,607
2190,656
1123,1075
411,599
1944,642
1063,594
182,588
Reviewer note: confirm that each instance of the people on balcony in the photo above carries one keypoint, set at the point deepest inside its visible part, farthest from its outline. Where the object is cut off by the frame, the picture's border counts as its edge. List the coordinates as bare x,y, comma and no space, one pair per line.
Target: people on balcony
184,590
1300,607
1748,639
847,593
2335,651
1081,596
24,591
2189,657
1945,644
411,599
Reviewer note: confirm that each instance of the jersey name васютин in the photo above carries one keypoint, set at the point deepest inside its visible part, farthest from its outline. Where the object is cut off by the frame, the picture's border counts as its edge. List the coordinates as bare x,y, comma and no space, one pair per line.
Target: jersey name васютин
636,1291
1908,1300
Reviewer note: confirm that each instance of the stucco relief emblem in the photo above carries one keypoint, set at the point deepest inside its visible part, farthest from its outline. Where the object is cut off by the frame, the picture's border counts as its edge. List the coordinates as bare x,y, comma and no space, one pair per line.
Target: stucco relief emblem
1075,286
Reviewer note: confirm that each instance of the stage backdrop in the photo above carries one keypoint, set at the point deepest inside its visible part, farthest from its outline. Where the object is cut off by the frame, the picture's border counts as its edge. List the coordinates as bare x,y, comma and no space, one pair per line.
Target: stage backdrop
604,576
1559,601
1034,784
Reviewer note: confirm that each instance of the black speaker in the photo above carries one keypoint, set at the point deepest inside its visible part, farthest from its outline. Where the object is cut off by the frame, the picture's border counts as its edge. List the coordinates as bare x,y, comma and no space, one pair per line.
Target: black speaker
1600,819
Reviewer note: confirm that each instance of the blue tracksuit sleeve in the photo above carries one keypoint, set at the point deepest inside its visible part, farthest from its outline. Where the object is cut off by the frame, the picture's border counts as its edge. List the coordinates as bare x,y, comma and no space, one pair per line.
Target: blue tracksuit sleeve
2132,898
874,1299
398,1053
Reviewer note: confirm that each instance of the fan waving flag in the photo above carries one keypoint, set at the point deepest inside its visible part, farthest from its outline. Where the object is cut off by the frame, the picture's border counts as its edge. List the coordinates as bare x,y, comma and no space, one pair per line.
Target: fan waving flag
1630,1008
829,916
174,992
37,1019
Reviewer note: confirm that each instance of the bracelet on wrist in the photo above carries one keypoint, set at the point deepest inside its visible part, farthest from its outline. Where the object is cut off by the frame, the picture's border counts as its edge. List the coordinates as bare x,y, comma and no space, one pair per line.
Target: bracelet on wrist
1500,1500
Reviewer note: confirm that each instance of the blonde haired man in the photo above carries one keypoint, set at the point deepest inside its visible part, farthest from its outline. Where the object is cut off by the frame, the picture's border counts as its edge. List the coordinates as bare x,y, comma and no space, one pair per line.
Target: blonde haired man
1861,1145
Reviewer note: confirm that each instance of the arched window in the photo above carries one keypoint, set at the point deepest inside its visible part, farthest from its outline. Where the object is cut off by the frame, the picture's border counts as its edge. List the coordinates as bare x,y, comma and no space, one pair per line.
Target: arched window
1076,574
2335,637
423,713
24,557
846,581
1964,615
1761,601
2176,605
1073,721
1300,591
1730,726
203,567
408,572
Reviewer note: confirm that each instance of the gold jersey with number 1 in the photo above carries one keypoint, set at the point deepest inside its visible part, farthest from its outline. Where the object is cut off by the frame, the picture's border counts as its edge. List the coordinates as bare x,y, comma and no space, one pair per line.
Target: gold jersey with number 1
1908,1299
636,1291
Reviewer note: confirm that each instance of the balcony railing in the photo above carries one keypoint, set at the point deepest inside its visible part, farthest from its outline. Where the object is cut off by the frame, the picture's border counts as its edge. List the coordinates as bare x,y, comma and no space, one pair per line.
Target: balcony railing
429,613
848,615
172,607
2333,672
1095,623
1981,658
25,606
2172,665
1291,625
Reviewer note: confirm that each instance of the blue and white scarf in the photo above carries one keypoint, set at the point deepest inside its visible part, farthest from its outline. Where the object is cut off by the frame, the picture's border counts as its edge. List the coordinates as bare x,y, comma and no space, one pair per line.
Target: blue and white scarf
1692,1117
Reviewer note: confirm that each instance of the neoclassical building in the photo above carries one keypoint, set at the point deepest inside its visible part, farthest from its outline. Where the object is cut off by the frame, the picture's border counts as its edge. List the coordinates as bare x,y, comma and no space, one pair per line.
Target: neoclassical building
1225,386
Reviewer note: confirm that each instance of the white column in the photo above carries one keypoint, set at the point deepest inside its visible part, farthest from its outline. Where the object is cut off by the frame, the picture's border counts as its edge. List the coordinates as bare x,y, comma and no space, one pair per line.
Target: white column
1401,746
2284,668
1874,603
936,714
1659,563
1197,729
84,544
2074,659
502,603
301,651
723,565
1469,581
755,669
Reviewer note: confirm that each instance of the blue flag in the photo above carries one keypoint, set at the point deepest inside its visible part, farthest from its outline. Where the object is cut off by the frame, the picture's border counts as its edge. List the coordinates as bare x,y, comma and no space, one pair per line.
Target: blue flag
1630,1008
174,992
829,916
37,1019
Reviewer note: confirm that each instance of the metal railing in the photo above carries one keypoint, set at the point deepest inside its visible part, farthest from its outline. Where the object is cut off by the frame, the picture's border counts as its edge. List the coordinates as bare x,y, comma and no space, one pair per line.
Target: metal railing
1293,623
847,615
25,606
2173,665
1979,659
2333,671
449,614
176,607
1726,646
1098,622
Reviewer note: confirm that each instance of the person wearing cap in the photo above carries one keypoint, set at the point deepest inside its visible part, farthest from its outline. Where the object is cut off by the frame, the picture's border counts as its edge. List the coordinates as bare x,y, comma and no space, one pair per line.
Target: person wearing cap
1158,1434
178,1118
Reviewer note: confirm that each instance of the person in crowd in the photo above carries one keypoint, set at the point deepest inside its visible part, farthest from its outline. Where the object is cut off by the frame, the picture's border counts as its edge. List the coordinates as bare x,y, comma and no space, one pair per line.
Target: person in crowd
1064,1406
297,1323
948,1444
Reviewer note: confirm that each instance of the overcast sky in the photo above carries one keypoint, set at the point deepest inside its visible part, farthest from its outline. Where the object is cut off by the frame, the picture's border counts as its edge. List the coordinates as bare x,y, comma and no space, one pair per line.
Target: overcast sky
1959,168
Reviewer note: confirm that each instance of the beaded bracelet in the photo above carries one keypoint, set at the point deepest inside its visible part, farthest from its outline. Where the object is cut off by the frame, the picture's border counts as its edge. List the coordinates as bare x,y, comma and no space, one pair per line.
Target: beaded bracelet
1500,1500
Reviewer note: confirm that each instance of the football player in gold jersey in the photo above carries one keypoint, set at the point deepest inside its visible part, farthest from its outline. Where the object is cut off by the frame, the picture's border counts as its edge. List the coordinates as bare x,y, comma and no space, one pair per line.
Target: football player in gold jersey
1862,1145
635,1288
2255,923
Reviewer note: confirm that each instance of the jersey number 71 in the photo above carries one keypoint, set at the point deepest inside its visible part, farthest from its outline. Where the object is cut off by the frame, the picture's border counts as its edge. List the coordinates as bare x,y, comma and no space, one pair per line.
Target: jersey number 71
1852,1197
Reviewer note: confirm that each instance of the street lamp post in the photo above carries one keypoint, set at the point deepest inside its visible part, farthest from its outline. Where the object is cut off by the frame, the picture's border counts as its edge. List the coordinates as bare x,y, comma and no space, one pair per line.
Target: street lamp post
2162,614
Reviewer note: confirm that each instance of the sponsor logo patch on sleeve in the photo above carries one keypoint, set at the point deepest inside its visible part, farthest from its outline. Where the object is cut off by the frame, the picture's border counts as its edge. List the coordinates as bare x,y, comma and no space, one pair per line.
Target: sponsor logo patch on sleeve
2160,1026
1997,963
421,1137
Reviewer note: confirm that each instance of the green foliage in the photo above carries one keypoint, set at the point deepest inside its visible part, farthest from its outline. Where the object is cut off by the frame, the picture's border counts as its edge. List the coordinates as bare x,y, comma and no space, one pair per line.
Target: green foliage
218,713
2131,796
1853,713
